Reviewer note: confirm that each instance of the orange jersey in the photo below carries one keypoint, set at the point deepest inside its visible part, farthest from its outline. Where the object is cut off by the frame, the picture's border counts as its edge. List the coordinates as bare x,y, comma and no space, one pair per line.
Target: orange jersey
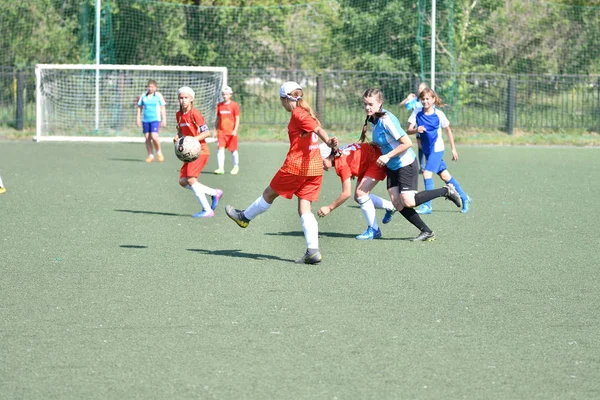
355,159
303,158
192,124
227,114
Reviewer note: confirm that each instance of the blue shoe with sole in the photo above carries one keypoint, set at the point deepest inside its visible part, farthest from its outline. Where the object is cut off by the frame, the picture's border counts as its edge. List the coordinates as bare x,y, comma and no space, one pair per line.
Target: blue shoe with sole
465,205
370,234
424,209
389,213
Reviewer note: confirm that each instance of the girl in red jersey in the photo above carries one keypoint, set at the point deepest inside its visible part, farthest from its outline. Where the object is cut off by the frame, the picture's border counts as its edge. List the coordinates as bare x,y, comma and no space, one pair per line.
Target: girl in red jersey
358,160
191,123
301,173
228,123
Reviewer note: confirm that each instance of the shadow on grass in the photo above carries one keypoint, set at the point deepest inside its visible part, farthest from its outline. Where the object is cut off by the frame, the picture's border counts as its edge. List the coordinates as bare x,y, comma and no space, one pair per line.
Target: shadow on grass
132,246
127,159
328,234
153,213
240,254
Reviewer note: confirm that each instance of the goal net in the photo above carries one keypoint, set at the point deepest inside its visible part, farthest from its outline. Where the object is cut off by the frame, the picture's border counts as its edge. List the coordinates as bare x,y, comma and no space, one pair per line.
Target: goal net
99,102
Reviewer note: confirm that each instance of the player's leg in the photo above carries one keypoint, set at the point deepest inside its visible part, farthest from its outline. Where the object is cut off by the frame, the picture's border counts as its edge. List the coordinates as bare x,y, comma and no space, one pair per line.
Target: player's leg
189,179
362,197
464,197
422,159
407,178
221,153
2,188
307,194
155,127
150,157
232,146
259,206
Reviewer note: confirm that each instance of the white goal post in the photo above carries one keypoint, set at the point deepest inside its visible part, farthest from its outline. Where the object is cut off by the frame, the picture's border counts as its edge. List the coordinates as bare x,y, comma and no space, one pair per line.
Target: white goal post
90,102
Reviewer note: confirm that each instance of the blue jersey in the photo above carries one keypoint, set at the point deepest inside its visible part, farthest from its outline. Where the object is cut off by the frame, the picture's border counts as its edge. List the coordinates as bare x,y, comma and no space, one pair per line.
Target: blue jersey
152,105
431,139
386,134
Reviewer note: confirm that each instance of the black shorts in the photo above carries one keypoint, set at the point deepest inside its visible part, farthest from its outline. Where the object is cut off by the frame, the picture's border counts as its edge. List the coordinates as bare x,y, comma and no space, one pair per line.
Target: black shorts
405,178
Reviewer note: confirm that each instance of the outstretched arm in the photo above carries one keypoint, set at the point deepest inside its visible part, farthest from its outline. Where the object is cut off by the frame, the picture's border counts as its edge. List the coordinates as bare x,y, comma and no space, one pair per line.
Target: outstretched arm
451,141
346,193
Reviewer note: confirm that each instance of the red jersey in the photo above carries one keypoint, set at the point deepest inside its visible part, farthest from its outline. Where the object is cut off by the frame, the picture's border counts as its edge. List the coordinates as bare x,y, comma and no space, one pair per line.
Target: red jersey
355,159
192,124
227,114
303,158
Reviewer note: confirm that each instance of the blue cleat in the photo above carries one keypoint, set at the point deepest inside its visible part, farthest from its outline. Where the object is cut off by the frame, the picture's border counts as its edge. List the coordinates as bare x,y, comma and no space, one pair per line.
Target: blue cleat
204,214
465,205
216,198
389,213
369,234
424,209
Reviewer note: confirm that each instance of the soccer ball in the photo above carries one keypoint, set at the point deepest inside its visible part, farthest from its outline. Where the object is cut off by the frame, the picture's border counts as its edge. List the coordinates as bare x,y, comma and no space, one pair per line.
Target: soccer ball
187,149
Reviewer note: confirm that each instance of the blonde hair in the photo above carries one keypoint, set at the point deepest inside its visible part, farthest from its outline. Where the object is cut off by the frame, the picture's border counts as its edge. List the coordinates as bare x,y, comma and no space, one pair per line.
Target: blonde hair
297,93
379,97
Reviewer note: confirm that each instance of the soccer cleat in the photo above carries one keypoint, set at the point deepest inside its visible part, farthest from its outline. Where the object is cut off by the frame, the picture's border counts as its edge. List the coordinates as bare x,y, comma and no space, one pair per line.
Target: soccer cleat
237,216
370,234
150,159
235,170
216,198
2,190
219,171
453,195
424,209
311,256
389,213
204,214
465,205
160,157
424,237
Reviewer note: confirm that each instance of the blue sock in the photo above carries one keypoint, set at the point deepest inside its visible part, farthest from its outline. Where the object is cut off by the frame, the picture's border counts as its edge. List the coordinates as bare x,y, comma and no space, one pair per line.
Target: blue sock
461,192
428,186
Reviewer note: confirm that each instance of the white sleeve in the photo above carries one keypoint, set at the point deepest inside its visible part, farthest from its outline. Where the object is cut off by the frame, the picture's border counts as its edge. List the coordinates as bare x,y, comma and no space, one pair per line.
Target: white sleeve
413,118
444,123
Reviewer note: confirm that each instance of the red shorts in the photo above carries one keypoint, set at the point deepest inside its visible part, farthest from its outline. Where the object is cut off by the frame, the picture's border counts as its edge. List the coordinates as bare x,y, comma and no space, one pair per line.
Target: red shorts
229,141
375,172
194,168
304,187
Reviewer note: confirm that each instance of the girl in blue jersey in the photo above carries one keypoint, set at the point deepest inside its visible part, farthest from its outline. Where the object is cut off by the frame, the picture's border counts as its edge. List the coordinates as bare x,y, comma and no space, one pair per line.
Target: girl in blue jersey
401,164
412,103
429,123
151,115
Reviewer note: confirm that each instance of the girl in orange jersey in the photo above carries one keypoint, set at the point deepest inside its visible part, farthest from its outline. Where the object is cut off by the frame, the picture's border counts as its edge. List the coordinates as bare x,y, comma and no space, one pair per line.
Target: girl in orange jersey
358,160
301,173
191,123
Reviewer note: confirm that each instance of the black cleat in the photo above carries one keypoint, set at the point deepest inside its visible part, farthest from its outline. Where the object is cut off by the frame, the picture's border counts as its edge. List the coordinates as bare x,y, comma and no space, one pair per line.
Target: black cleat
453,195
237,216
424,237
310,257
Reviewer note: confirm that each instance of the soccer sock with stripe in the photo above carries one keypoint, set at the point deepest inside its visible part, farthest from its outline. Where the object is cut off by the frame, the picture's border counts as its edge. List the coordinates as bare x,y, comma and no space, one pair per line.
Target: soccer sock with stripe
459,189
235,158
221,158
310,226
368,209
259,206
381,203
411,216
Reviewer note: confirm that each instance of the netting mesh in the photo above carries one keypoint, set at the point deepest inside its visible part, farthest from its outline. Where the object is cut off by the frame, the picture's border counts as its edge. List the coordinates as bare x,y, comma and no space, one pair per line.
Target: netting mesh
68,98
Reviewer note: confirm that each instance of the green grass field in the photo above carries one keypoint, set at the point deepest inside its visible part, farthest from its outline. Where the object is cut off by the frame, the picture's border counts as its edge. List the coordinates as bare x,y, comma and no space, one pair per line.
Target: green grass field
110,290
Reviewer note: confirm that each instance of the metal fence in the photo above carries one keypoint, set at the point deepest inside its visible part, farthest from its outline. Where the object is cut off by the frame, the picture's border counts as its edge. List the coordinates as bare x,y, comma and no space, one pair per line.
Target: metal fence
486,101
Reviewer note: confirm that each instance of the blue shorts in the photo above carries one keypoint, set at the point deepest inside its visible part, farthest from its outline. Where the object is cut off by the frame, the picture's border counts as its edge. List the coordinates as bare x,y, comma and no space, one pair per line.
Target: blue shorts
151,127
435,162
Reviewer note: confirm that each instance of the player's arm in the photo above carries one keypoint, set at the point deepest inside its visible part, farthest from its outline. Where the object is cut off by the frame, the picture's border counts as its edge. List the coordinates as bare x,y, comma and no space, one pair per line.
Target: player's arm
412,129
320,132
163,116
237,125
405,144
451,141
344,195
216,126
138,118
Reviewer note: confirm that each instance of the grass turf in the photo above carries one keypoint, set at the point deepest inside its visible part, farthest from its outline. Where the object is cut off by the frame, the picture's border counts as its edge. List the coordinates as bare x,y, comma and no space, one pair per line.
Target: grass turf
110,290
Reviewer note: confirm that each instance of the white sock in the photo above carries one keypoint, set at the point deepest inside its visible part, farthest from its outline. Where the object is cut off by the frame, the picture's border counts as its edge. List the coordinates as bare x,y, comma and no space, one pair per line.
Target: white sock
310,226
1,184
368,210
380,203
200,195
209,191
258,207
221,158
235,158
